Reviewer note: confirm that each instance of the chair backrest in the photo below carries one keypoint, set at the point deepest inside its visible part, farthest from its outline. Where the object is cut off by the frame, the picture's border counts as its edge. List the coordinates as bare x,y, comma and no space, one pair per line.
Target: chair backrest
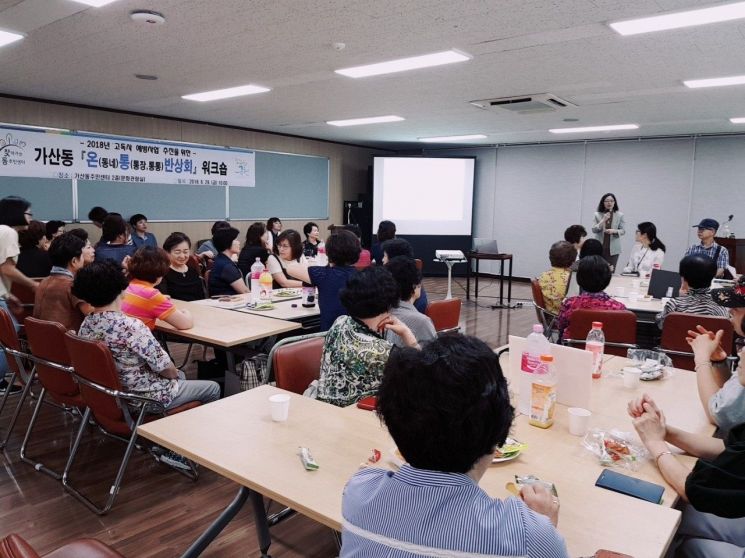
15,546
92,361
418,263
619,326
675,330
297,363
26,296
445,314
539,302
9,339
47,341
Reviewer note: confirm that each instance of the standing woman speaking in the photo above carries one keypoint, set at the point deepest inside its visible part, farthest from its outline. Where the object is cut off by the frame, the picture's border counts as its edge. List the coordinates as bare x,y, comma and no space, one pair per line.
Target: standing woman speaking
609,227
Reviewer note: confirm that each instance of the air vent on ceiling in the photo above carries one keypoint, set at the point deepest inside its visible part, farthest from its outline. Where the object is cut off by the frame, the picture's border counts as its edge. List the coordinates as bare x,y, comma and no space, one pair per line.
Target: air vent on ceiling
525,104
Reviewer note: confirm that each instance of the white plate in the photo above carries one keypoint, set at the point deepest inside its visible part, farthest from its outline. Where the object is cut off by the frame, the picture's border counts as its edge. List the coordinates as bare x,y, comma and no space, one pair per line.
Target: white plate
515,455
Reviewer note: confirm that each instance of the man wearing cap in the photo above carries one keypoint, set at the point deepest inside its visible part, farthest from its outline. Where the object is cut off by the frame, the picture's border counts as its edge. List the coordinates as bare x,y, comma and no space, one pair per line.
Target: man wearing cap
707,229
721,393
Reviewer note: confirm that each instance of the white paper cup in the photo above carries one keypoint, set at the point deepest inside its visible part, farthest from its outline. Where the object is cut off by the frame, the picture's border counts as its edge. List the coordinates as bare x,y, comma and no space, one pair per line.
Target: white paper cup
635,284
579,421
280,406
631,377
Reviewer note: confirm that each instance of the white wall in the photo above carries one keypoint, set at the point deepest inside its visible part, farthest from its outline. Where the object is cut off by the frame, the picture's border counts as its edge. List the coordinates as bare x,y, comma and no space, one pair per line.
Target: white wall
525,196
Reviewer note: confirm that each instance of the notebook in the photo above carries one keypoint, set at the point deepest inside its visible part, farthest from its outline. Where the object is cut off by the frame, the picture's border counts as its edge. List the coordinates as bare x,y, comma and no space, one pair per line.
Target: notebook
573,371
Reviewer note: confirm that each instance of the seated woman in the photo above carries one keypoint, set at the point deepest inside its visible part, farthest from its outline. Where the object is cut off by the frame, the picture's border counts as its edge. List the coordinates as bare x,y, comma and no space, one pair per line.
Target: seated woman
409,280
53,300
288,248
257,242
355,350
33,261
140,236
343,250
181,281
447,407
274,226
225,277
401,247
593,276
713,522
53,229
365,258
554,282
207,248
312,240
648,253
386,231
113,244
590,247
142,300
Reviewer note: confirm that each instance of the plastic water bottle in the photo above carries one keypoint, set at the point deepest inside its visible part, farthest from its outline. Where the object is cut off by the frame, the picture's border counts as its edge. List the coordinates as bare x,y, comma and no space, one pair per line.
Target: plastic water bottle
543,393
256,268
321,258
596,345
265,286
535,346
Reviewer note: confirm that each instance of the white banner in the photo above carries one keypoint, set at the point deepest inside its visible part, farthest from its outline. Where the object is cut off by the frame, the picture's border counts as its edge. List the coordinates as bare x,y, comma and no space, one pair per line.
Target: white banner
68,155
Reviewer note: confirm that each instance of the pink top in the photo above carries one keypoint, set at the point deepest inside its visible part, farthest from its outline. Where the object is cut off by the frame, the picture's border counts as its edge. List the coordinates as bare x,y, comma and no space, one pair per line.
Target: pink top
143,301
591,301
365,259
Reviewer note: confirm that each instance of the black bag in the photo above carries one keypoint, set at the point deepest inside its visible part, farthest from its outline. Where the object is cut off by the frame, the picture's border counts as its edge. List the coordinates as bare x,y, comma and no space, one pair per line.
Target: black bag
210,370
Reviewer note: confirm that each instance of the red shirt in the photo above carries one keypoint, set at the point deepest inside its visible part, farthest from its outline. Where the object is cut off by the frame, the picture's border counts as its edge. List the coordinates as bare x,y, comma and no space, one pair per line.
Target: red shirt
592,301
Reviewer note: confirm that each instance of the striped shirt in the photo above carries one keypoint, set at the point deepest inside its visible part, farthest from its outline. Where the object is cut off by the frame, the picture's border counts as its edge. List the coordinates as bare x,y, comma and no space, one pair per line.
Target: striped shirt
143,301
414,512
697,301
701,250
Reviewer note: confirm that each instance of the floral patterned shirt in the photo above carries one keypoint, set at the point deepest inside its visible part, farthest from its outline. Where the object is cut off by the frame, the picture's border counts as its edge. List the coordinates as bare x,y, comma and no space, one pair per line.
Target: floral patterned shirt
137,354
592,301
554,286
352,362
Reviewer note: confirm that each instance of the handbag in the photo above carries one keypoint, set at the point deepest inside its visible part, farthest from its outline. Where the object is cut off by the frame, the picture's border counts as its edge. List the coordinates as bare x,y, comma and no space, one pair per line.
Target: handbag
253,372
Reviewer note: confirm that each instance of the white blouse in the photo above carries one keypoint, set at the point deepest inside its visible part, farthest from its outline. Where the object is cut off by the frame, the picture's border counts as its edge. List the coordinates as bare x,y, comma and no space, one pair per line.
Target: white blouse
643,259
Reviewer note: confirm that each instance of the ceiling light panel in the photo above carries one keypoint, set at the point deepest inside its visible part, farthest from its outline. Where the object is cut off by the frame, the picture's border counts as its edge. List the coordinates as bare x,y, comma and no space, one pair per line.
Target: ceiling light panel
7,37
367,120
610,128
715,82
405,64
226,93
445,139
94,3
678,20
737,120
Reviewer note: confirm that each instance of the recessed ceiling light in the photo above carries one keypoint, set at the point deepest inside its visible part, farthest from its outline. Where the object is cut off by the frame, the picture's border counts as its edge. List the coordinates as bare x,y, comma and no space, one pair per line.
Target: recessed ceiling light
147,17
368,120
436,139
594,129
737,120
95,3
689,18
7,37
404,64
226,93
714,82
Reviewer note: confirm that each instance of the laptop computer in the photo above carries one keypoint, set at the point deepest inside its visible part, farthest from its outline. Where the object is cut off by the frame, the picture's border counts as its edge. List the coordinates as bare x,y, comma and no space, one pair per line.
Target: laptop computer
485,246
573,370
664,284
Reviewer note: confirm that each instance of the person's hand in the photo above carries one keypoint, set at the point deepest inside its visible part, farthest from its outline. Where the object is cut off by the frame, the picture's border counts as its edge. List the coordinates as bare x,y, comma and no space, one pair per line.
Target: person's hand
539,499
636,406
125,263
651,425
706,345
610,231
391,323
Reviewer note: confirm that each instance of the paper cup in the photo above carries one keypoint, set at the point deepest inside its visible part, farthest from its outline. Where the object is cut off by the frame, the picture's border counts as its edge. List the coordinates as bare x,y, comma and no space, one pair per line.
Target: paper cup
635,284
579,421
631,377
280,406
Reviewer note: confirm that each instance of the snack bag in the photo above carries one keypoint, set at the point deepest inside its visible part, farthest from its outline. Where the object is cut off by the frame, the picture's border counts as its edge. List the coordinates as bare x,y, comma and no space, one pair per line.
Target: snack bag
614,448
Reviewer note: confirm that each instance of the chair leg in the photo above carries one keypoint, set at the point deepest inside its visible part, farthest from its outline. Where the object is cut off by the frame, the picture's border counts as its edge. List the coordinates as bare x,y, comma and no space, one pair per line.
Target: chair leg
38,465
19,406
114,490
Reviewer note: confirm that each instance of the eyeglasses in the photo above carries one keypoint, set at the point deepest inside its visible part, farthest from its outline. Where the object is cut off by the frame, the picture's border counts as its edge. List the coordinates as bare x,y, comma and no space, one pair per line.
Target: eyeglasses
283,245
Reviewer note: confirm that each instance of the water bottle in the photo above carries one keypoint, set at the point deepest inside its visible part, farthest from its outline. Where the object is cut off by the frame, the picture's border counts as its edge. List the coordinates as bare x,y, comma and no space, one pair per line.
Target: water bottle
535,346
543,393
321,258
265,286
256,268
596,345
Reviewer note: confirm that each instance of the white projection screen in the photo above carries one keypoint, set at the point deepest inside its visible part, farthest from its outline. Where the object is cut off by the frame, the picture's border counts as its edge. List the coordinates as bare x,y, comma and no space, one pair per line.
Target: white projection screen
424,196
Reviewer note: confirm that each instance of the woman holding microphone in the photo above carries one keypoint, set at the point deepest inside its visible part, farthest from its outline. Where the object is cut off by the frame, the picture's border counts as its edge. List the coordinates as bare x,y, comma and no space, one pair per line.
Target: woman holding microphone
609,226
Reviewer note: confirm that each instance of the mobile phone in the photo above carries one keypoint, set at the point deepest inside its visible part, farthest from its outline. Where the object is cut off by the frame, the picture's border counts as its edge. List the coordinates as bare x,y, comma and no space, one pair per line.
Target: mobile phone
624,484
369,403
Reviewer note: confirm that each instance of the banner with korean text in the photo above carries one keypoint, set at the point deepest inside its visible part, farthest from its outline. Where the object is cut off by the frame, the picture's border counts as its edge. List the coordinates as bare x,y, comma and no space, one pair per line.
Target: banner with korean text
82,156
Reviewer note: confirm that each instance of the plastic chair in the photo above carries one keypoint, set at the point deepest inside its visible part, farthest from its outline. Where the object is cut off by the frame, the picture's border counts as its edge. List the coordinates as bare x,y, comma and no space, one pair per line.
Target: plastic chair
15,546
11,344
294,362
419,264
111,408
53,369
445,314
675,330
545,318
619,328
27,297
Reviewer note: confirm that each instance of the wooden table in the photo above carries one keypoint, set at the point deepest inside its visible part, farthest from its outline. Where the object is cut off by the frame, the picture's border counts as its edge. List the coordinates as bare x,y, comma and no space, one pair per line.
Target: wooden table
236,438
501,258
620,287
284,309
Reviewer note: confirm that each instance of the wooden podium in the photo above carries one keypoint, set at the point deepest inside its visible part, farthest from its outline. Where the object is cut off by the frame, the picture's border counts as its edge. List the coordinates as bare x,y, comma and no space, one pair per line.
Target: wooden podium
736,249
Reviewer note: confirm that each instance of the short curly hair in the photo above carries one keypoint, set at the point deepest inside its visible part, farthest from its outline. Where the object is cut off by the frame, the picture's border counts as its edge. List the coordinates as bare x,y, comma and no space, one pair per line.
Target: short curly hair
99,283
575,233
149,264
446,405
562,254
369,293
407,276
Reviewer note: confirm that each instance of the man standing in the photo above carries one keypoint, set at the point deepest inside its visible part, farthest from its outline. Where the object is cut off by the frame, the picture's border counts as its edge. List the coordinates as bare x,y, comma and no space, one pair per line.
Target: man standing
707,229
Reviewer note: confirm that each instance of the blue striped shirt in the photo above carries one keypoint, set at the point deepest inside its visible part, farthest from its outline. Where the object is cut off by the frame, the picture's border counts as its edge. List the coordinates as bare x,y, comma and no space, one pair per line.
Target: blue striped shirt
413,513
701,250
